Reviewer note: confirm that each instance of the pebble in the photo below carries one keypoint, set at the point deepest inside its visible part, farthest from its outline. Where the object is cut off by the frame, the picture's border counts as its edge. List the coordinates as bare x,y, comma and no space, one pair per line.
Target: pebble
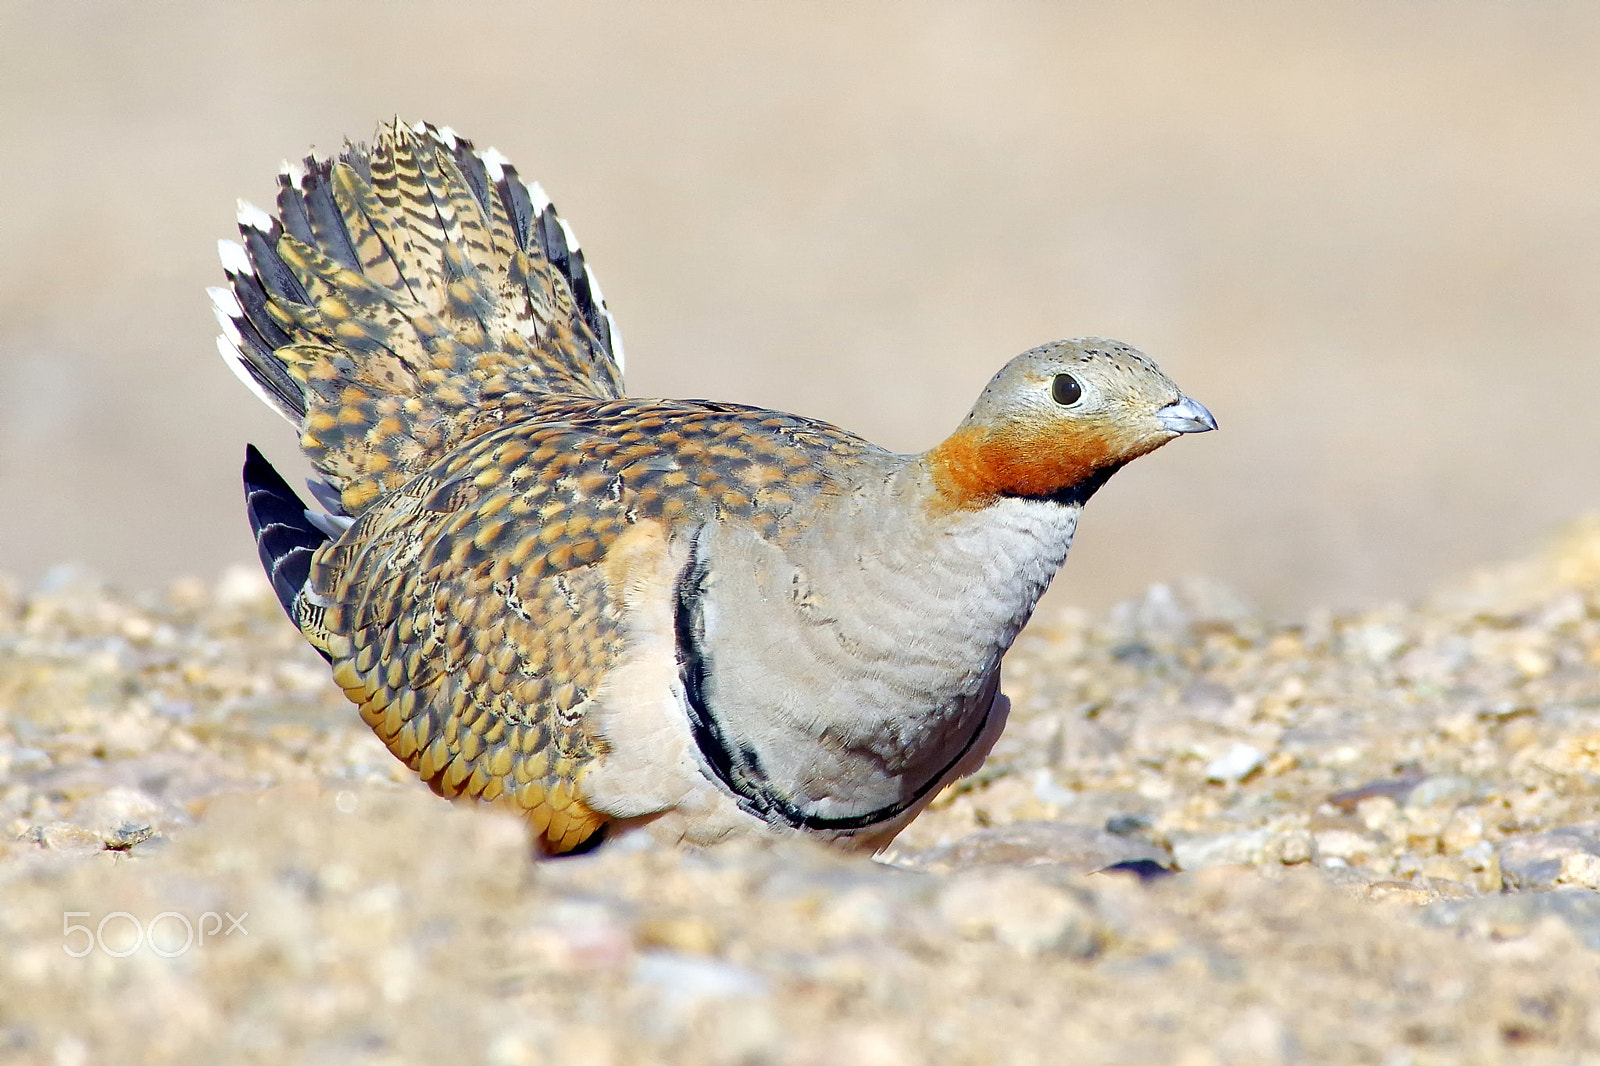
1445,790
64,838
1205,851
1348,846
1537,861
1580,868
1396,789
1236,764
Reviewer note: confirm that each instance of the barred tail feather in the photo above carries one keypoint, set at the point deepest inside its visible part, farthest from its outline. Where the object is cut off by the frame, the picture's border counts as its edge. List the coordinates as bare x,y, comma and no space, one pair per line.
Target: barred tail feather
285,536
404,297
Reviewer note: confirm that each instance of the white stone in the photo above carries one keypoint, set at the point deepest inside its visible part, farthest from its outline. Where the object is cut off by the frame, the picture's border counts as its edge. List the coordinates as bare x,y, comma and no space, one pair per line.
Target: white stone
1235,764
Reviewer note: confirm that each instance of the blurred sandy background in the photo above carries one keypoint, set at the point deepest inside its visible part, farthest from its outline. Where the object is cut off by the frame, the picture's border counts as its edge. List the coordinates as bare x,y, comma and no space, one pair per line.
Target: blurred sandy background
1367,235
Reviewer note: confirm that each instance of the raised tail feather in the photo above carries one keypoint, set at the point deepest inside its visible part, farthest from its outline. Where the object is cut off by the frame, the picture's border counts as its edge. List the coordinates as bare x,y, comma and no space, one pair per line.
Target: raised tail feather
407,296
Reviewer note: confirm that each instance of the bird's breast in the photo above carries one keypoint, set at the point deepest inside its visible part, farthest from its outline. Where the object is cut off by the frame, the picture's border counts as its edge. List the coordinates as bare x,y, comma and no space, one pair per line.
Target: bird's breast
835,678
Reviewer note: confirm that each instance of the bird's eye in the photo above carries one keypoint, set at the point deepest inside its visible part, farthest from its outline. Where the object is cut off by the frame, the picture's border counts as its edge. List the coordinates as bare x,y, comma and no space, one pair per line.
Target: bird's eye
1065,390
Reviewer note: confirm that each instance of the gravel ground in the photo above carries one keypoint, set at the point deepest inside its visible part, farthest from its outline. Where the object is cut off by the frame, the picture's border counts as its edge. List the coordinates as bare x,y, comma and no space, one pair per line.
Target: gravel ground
1383,826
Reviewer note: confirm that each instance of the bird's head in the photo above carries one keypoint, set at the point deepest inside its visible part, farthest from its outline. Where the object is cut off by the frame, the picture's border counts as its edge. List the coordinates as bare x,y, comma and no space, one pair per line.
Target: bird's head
1058,420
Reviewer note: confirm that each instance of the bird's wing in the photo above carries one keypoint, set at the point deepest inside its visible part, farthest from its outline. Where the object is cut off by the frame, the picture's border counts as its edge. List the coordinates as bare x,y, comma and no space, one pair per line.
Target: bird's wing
474,613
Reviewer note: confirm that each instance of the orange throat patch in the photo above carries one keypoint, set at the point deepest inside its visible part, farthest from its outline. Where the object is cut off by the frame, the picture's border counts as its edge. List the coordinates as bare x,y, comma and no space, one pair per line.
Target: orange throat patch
974,466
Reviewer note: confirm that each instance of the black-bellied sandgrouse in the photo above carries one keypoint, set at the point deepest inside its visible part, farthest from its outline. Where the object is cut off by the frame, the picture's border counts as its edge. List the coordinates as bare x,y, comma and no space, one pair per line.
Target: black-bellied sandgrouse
609,611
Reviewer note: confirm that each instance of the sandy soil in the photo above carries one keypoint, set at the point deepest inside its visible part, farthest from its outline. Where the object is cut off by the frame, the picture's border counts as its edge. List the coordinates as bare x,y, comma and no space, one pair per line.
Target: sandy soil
1383,827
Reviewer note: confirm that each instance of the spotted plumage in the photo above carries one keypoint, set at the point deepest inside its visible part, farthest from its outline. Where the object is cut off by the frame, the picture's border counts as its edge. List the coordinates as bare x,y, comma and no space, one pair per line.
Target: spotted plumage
690,615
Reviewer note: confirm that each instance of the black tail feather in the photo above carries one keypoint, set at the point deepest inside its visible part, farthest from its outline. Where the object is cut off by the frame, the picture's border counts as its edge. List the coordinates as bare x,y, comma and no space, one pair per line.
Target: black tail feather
285,537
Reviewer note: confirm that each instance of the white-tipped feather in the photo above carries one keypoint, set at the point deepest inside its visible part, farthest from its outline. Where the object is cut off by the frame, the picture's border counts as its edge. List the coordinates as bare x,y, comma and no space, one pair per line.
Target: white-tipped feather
225,302
333,525
295,172
235,260
617,355
542,204
494,163
230,355
252,216
235,360
600,302
446,136
566,231
230,329
536,193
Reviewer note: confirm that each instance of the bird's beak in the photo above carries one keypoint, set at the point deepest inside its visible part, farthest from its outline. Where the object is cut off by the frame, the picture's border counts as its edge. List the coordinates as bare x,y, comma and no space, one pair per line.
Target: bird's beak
1186,416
